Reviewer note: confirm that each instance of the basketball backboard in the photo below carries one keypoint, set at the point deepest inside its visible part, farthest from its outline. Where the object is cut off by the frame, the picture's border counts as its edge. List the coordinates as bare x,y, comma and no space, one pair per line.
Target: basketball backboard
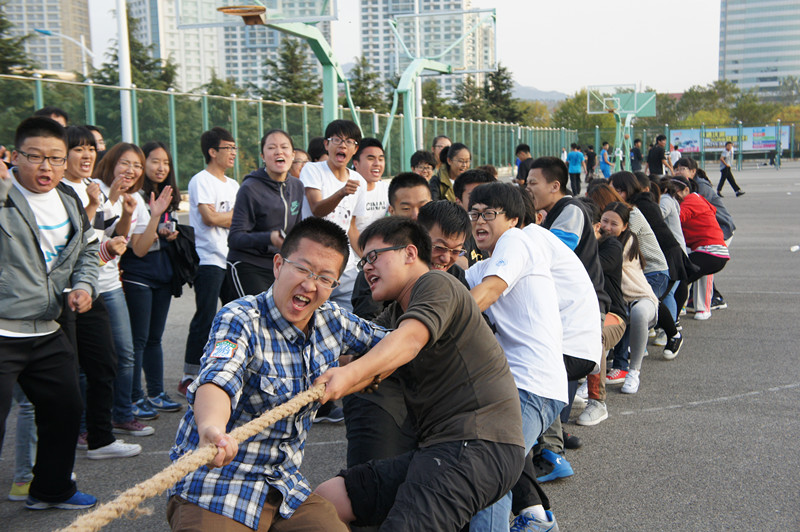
206,14
621,99
465,40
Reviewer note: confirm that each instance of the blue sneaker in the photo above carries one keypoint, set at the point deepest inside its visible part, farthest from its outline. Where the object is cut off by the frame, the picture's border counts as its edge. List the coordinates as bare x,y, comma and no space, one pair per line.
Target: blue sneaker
164,403
528,523
141,409
78,501
552,466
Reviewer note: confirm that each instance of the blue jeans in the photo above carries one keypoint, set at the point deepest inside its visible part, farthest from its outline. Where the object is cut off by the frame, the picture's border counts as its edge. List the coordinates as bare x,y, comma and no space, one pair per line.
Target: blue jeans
537,414
207,286
669,302
123,345
658,282
26,438
148,308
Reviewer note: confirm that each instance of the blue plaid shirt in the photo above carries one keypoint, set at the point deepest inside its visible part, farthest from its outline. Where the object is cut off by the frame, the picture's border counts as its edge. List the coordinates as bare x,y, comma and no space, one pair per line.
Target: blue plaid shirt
261,361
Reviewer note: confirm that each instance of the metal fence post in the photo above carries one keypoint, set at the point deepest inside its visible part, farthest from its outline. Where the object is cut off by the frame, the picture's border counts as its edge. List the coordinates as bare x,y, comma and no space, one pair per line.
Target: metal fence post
235,133
739,142
597,139
305,125
260,111
778,146
173,133
204,110
283,115
89,92
703,146
135,113
791,141
38,92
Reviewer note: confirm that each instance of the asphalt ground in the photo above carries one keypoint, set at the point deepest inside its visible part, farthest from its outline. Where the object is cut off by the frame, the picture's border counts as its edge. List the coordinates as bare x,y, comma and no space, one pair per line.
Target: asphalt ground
710,442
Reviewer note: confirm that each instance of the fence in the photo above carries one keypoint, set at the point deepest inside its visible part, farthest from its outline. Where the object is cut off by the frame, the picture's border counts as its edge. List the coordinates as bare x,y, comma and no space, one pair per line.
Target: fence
178,119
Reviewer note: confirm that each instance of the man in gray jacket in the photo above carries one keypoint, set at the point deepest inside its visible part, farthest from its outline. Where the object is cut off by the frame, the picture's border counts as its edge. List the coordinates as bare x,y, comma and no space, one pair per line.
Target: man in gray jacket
46,249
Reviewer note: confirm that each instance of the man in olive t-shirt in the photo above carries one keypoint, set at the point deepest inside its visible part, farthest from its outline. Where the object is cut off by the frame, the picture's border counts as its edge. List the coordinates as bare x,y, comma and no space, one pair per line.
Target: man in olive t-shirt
470,441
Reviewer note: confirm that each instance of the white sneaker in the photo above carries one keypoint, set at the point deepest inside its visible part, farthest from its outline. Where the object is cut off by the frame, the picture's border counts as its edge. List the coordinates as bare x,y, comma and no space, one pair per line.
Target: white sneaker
115,449
595,412
583,391
631,384
651,333
702,315
661,339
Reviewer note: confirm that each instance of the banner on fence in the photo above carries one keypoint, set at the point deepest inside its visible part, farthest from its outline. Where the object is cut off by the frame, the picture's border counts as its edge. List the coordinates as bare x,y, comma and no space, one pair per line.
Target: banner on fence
754,138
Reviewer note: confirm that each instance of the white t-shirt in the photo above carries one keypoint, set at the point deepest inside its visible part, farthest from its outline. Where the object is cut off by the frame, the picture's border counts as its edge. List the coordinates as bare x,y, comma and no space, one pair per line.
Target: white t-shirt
674,156
210,242
319,176
80,190
577,299
108,278
52,218
526,314
376,205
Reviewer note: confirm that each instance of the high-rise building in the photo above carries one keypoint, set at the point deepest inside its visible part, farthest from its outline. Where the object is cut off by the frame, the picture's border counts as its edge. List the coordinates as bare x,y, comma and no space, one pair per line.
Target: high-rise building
436,32
65,17
759,43
196,52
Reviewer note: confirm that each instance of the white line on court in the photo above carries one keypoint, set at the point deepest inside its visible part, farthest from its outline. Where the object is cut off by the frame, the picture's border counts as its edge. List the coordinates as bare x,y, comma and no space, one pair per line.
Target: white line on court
709,401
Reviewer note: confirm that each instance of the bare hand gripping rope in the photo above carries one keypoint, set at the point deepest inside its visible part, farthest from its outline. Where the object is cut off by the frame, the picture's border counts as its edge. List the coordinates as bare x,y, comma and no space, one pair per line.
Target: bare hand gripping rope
130,499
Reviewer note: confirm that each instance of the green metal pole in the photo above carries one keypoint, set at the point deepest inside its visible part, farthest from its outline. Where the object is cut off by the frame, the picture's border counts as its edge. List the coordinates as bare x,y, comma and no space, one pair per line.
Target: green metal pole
135,114
305,125
739,135
38,92
703,146
90,114
235,133
330,100
173,134
778,147
472,133
260,111
283,115
791,142
597,139
403,139
204,106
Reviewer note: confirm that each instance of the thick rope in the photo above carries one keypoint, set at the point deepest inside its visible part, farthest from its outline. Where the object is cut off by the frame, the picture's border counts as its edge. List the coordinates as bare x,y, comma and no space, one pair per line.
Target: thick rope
130,499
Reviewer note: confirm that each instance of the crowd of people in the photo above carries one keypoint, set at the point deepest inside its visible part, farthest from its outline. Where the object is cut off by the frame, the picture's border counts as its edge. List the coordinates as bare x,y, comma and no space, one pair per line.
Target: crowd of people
457,318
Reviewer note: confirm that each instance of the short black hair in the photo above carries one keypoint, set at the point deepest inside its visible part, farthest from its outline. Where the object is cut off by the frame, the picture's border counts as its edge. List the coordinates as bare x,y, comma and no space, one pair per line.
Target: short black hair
687,162
399,231
321,231
405,180
423,157
605,143
272,132
211,139
91,127
590,147
522,148
729,142
451,218
39,126
470,177
500,196
661,137
637,140
316,149
367,142
553,169
344,128
51,110
80,136
450,152
574,146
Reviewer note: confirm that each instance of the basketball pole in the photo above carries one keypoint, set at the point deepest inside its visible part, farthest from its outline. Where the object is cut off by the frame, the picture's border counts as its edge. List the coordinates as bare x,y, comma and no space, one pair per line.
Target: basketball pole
125,78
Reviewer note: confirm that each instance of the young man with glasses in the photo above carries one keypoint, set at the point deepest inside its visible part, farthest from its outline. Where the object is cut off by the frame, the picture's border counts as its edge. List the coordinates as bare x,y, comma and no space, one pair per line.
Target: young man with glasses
423,163
211,198
263,350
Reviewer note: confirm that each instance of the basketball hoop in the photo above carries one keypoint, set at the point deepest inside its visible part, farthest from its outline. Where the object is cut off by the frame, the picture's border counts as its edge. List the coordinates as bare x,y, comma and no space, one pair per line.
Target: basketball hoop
252,15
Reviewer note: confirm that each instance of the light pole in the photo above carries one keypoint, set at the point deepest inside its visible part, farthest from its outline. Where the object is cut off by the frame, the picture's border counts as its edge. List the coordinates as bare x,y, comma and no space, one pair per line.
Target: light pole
81,44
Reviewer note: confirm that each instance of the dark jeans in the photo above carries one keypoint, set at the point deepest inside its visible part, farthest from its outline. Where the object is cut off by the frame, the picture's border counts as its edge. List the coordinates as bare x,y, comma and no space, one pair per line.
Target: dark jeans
148,308
727,174
46,370
575,181
207,285
91,337
372,433
707,264
245,279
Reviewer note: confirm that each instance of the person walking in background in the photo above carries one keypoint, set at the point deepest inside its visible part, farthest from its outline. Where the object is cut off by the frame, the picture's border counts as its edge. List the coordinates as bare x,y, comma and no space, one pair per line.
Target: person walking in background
726,173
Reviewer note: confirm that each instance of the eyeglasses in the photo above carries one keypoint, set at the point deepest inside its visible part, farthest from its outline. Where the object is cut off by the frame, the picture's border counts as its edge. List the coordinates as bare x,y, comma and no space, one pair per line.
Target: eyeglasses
128,164
486,215
233,148
460,252
34,158
424,168
462,162
322,280
372,256
350,143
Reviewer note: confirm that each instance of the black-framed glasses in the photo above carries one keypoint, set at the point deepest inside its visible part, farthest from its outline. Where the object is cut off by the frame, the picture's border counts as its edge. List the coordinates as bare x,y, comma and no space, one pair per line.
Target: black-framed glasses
350,143
234,148
459,252
486,215
323,280
35,158
372,256
424,168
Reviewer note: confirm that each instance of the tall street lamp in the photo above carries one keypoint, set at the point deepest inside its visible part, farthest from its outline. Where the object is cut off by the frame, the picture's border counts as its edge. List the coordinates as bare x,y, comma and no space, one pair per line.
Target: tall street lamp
81,44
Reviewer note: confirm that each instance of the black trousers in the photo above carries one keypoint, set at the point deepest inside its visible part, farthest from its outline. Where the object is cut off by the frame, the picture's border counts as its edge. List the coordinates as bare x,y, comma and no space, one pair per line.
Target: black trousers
707,265
727,175
46,370
245,279
207,286
575,181
372,433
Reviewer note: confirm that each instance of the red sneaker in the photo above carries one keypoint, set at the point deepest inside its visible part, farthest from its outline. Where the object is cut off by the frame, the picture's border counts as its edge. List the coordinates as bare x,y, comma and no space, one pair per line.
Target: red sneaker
183,386
616,376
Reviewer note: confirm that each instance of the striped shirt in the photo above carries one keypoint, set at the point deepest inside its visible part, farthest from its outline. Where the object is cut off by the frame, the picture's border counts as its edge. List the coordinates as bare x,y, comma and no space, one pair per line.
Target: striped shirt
261,361
648,244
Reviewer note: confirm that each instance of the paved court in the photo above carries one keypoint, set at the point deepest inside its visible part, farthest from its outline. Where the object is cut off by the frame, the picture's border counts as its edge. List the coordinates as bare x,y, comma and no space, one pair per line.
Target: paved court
710,442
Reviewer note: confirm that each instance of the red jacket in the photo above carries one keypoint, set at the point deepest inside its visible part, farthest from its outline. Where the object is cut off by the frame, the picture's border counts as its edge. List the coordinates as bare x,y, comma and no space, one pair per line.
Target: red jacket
699,222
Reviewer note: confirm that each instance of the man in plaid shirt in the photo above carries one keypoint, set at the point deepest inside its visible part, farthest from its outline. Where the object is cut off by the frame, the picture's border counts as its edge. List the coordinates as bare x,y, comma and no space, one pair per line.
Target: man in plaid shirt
262,351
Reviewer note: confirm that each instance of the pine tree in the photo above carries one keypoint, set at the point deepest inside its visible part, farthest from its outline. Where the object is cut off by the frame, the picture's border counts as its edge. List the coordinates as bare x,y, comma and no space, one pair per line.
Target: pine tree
292,77
365,87
497,90
470,101
13,59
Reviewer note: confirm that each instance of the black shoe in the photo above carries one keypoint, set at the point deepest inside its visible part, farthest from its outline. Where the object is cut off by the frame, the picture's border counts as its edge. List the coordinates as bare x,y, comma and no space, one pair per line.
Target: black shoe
673,347
739,193
329,413
717,303
571,441
720,194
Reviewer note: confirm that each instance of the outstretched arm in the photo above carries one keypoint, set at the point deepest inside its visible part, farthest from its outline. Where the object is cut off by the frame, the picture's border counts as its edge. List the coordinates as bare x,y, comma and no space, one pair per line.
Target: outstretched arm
212,410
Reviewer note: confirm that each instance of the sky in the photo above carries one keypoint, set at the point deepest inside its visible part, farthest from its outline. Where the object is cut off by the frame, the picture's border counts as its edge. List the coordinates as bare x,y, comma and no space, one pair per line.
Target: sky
562,46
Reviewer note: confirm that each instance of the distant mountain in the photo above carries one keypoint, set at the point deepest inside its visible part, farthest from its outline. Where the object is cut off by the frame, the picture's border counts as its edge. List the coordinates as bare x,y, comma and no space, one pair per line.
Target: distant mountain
531,93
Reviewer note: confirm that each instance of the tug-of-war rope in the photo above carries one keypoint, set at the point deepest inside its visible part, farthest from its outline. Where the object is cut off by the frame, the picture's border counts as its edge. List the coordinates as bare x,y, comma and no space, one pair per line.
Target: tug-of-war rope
130,499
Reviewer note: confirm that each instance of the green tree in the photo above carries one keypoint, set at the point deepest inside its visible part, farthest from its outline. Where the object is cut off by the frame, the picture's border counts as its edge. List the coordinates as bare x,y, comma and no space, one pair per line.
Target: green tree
432,103
497,90
789,90
666,112
292,77
534,114
13,59
470,101
221,87
751,110
365,87
571,114
709,117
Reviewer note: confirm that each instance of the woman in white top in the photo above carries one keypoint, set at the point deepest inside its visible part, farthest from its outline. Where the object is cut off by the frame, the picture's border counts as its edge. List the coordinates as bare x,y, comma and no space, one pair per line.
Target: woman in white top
642,301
